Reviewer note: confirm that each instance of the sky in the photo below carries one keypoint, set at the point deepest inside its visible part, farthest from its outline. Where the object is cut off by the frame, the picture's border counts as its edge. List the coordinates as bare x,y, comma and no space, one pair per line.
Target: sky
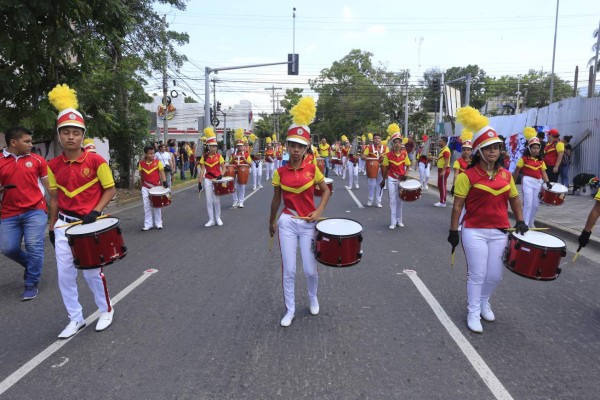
507,37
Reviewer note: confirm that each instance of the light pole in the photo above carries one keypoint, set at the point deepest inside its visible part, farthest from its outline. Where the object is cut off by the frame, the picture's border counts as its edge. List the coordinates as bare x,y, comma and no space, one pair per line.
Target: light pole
554,55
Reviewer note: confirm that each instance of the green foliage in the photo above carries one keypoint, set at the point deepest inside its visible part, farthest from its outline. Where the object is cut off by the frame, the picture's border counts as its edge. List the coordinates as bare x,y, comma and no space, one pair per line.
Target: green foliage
189,99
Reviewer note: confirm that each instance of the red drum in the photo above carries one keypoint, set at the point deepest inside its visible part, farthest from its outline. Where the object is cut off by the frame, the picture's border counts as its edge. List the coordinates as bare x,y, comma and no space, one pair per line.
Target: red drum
372,167
223,187
335,161
243,170
329,183
535,255
555,196
97,244
321,164
230,170
160,196
410,190
338,242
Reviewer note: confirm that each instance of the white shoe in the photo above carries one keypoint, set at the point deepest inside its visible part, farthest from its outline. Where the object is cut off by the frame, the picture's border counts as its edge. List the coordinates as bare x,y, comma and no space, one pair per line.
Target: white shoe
486,312
260,186
400,224
369,203
393,226
105,320
71,329
314,307
287,320
254,188
474,323
241,205
379,205
146,229
426,187
219,222
235,205
210,223
438,204
357,187
348,187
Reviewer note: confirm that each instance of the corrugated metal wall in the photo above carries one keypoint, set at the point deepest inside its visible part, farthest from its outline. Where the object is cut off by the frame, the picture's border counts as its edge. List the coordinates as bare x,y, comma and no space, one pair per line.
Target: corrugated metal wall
577,116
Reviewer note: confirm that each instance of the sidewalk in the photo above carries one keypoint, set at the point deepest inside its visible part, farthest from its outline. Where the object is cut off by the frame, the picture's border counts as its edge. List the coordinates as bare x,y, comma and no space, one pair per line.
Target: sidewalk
570,217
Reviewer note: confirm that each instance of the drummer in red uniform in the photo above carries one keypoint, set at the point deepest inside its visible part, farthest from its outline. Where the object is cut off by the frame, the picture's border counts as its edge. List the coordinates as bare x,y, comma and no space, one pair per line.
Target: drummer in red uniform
81,185
553,154
211,168
239,157
295,183
484,189
270,158
152,173
462,163
375,150
393,170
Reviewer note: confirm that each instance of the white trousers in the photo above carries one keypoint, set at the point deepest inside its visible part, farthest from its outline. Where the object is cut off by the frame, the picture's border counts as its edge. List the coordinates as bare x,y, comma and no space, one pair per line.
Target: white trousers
395,201
270,169
352,173
240,193
277,163
213,202
484,249
256,174
149,211
424,170
531,202
361,165
373,184
294,232
338,169
67,278
344,158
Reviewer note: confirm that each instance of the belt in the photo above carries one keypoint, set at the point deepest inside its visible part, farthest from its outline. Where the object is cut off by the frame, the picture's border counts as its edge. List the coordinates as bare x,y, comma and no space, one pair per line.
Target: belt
66,218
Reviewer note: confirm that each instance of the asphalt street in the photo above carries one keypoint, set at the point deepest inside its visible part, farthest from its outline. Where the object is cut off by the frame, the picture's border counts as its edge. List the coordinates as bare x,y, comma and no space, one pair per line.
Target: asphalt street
206,325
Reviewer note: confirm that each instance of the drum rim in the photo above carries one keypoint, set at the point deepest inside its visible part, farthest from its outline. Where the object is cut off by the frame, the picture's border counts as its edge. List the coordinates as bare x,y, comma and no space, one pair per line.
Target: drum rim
224,179
164,191
108,228
340,236
514,271
537,246
411,188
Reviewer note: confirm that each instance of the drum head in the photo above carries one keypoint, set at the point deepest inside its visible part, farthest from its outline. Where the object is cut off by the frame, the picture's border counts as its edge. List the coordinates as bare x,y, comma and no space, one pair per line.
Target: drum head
540,239
99,226
328,181
558,188
339,227
411,184
225,179
158,191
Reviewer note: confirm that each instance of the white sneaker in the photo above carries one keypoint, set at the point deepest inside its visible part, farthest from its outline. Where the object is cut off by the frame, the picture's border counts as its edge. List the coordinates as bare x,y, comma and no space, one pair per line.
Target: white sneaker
426,187
393,226
474,323
379,205
254,188
348,187
287,320
438,204
369,203
71,329
260,186
400,224
357,187
486,312
219,222
146,229
105,320
210,223
241,205
235,205
314,307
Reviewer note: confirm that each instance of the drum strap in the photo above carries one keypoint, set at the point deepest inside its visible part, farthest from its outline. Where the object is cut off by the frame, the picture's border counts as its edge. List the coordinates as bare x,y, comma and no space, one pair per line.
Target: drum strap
70,214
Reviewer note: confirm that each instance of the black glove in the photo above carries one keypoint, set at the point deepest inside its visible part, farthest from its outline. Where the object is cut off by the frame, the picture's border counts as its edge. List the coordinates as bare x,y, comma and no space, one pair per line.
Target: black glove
51,237
453,239
452,191
548,185
199,186
584,238
382,184
521,227
165,184
219,177
91,217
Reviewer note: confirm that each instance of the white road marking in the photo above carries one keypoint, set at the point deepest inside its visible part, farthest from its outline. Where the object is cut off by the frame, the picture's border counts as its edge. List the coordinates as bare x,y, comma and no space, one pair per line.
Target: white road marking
54,347
474,358
355,199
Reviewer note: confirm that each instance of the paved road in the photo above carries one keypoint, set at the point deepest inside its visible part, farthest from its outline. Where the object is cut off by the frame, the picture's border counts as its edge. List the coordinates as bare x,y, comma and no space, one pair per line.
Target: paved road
206,325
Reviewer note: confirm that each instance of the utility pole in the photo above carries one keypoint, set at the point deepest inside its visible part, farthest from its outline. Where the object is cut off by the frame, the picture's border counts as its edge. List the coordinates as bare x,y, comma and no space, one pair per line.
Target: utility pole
272,89
441,116
164,99
553,55
468,90
518,93
406,107
596,60
575,81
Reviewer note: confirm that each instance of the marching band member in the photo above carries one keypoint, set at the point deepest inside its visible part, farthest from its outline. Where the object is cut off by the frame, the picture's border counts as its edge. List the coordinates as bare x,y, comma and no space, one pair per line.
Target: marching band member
362,164
81,185
212,166
534,174
278,153
239,157
345,149
584,238
88,145
338,154
462,163
484,189
352,167
443,165
256,163
269,158
424,164
295,183
553,154
152,173
393,169
375,150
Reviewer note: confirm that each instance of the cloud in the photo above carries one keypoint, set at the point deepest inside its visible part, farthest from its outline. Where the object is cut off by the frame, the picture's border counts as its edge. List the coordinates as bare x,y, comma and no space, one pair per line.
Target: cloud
347,14
377,30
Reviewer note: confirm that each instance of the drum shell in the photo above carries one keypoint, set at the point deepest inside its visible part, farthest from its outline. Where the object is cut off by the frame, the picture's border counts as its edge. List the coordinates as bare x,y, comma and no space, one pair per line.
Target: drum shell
552,198
533,261
409,194
321,164
223,187
243,171
97,249
318,193
372,165
338,250
160,200
230,170
335,161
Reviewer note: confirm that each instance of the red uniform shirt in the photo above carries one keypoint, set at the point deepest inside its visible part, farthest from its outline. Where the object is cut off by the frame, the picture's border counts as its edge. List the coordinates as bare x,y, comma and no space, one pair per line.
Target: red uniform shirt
298,187
149,173
269,155
240,157
25,173
212,165
531,167
461,165
486,200
396,163
80,183
279,152
345,151
551,152
375,151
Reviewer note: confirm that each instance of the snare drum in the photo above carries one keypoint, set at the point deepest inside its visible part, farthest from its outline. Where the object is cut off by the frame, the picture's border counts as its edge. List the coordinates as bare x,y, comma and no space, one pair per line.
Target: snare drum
243,170
329,183
554,196
410,190
335,161
535,255
338,242
160,196
97,244
321,164
372,167
223,187
230,170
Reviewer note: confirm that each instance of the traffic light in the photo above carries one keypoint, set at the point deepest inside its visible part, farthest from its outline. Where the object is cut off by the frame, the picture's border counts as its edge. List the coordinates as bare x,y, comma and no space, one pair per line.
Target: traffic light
435,85
293,64
218,106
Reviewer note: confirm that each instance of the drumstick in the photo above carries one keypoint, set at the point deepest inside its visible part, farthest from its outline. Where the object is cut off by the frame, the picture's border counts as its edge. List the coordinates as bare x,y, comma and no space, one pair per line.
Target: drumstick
452,259
576,254
306,218
79,222
531,229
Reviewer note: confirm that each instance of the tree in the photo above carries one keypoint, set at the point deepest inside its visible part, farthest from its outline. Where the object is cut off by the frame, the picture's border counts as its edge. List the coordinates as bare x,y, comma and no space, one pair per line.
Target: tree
536,88
188,99
264,126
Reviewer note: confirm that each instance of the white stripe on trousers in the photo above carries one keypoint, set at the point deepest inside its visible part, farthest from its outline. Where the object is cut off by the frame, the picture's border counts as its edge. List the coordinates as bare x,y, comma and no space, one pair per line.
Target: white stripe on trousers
484,249
149,210
531,190
294,232
67,278
395,201
213,202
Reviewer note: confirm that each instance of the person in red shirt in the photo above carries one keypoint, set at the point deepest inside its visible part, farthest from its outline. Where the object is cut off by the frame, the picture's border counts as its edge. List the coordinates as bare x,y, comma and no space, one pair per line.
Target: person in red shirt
152,173
270,159
81,185
393,170
211,168
484,190
23,177
375,150
462,163
295,184
553,154
443,167
238,157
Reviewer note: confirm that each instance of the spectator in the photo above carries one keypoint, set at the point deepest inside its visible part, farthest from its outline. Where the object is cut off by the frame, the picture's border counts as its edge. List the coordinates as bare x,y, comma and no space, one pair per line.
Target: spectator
166,158
566,161
183,160
410,149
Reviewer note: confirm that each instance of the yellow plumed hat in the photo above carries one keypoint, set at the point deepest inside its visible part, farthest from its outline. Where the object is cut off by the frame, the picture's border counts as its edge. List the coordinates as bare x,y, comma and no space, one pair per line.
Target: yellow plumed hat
393,128
303,114
64,99
404,141
252,138
472,120
531,136
274,137
209,136
239,136
466,137
384,142
370,136
268,140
